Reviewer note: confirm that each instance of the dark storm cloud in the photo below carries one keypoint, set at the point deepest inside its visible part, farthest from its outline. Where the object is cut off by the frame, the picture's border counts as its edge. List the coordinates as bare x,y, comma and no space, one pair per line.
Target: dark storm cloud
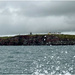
23,17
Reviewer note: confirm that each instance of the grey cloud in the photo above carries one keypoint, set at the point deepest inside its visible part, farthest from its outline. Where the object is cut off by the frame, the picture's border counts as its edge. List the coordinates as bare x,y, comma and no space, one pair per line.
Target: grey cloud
40,9
24,17
48,9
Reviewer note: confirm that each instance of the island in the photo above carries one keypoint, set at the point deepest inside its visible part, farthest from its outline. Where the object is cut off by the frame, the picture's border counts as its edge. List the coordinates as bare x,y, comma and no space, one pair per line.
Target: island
38,39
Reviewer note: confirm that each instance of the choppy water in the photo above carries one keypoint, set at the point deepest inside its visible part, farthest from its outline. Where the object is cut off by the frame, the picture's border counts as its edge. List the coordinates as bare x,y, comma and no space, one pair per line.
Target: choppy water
37,60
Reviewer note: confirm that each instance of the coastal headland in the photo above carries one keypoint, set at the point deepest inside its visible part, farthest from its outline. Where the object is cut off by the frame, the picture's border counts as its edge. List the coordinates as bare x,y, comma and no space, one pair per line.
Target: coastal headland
38,39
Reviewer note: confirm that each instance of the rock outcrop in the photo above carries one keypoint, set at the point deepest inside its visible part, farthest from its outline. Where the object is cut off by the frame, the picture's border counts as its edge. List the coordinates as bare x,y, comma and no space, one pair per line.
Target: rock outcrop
53,39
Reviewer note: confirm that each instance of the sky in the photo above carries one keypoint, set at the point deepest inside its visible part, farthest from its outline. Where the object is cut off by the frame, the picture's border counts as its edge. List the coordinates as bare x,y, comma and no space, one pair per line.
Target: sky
20,17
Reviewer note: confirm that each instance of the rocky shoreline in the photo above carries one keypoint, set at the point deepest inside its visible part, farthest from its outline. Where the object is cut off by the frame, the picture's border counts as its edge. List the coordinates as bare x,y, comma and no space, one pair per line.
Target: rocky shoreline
43,39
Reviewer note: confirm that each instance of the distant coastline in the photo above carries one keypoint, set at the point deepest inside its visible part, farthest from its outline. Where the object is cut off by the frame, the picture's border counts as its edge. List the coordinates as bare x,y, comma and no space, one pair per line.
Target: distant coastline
38,39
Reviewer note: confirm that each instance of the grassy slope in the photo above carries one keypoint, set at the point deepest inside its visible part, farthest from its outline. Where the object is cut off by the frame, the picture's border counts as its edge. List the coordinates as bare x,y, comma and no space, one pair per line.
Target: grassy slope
65,36
62,36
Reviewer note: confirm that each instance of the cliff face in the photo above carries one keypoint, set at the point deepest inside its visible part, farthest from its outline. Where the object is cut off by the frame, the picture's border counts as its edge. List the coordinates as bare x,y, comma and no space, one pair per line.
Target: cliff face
39,40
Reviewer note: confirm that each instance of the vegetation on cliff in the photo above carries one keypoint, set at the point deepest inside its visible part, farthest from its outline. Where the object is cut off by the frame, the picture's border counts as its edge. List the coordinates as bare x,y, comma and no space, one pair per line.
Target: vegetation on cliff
39,39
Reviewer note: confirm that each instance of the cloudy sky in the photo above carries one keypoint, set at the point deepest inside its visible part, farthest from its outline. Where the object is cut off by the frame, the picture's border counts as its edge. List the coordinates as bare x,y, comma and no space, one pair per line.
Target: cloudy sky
19,17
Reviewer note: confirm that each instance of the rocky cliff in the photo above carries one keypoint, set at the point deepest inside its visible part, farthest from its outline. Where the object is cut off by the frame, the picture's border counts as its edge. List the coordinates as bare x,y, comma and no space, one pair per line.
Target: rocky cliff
44,39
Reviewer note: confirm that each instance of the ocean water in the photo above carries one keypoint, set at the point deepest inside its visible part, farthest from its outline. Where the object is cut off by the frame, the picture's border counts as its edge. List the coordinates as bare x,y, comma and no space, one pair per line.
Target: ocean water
37,60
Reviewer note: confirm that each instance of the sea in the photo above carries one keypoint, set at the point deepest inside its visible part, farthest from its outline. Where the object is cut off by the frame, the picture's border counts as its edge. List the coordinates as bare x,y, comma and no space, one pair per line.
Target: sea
37,60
